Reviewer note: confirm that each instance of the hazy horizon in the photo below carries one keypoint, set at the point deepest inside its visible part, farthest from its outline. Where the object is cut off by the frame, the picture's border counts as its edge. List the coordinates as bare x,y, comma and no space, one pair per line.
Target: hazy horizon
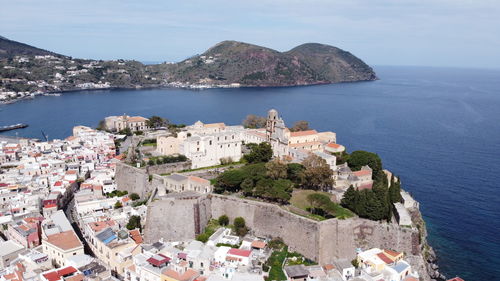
438,33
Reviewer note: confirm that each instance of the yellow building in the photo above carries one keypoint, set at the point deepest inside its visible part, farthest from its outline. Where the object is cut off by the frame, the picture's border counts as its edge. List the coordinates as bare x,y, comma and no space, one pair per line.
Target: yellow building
60,246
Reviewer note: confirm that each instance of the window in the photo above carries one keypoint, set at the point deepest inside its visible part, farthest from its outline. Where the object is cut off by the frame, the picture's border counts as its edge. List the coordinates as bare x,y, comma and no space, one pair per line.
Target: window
210,142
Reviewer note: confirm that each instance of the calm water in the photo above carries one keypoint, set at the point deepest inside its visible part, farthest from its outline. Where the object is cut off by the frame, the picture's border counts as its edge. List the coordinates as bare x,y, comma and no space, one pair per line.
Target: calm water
439,129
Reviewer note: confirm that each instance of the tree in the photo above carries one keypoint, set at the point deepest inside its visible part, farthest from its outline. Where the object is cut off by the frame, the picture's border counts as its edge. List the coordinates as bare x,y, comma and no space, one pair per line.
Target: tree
317,173
203,237
118,205
134,222
240,226
101,126
259,153
395,191
134,196
360,158
223,220
230,180
157,122
247,186
126,132
350,198
276,169
301,125
254,122
294,172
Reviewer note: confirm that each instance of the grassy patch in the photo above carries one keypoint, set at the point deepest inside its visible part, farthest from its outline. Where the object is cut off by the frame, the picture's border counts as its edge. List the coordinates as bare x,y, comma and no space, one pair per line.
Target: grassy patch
275,262
299,200
210,229
149,144
299,197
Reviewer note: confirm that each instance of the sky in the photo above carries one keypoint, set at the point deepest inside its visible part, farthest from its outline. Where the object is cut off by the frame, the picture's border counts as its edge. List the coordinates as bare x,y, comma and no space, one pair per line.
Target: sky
448,33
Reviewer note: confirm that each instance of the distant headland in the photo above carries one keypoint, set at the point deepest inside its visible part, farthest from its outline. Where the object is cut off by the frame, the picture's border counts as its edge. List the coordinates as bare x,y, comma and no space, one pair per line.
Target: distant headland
26,71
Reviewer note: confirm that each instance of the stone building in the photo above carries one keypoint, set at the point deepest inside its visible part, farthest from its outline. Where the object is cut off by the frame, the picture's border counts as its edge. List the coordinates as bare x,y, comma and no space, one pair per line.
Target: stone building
212,149
118,123
180,183
167,145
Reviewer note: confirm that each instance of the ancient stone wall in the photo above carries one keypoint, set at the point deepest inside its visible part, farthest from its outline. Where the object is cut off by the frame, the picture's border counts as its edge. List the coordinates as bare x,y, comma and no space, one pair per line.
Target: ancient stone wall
132,179
341,238
168,168
136,180
299,233
181,219
171,219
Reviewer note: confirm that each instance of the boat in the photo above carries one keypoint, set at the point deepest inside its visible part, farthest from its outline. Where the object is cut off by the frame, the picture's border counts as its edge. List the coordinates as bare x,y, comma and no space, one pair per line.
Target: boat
13,127
52,95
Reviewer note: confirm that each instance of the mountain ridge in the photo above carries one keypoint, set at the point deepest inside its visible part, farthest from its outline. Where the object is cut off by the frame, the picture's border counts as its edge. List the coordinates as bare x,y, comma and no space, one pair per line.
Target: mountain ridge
10,48
226,64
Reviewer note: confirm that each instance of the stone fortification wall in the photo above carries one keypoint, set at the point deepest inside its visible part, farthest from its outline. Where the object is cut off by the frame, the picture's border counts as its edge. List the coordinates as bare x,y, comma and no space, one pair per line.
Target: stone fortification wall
132,179
341,238
181,219
168,168
136,180
171,219
299,233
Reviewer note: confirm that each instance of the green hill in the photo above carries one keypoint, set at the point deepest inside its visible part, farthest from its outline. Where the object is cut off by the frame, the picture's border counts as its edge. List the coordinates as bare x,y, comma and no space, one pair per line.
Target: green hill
252,65
10,48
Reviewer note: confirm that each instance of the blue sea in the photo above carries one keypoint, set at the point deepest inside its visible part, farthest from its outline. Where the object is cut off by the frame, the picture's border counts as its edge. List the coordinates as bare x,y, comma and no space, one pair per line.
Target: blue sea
436,128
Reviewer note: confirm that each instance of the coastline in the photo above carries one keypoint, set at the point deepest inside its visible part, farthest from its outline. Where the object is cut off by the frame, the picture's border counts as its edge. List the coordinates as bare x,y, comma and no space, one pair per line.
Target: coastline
176,85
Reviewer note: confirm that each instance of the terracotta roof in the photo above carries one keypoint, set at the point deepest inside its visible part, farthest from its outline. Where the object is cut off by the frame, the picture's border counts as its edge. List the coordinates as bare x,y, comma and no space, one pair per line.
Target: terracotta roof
136,236
329,267
411,278
385,258
362,173
77,277
66,240
303,133
52,276
333,145
239,252
158,259
188,275
258,244
391,253
214,125
136,119
66,271
199,180
100,225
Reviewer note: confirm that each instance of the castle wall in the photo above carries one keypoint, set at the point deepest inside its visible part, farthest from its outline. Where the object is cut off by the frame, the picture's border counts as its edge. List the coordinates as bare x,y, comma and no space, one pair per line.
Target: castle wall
132,179
136,180
299,233
325,241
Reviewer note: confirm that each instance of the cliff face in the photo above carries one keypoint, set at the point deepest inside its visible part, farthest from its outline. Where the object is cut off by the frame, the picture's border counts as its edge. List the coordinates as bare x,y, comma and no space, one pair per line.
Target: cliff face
250,65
